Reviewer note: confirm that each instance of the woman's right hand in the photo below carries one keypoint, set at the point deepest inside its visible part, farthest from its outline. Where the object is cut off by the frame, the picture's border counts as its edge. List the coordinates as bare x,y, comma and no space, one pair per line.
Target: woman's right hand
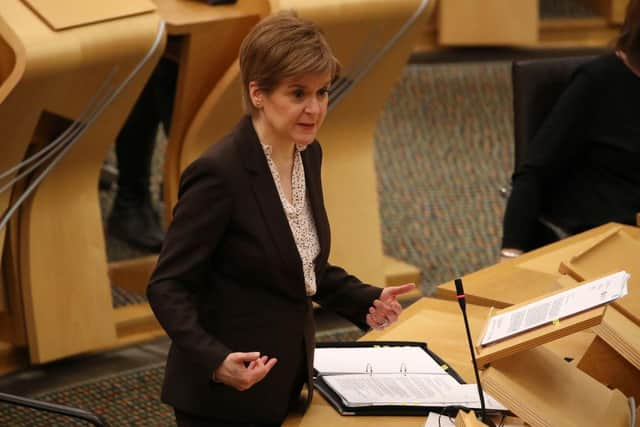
242,370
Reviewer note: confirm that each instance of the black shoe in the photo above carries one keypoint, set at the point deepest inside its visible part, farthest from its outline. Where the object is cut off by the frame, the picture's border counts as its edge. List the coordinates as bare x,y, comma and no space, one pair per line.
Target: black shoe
136,223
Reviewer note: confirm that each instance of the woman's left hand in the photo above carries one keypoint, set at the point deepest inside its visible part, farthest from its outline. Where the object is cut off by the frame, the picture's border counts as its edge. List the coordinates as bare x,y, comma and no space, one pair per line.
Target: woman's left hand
386,309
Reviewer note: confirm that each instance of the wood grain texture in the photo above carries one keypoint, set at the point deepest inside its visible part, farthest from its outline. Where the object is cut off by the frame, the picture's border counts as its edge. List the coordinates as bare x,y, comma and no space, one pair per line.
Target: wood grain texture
60,252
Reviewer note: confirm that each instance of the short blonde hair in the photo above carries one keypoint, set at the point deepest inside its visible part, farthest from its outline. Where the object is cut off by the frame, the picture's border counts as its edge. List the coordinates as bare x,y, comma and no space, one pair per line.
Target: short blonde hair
281,46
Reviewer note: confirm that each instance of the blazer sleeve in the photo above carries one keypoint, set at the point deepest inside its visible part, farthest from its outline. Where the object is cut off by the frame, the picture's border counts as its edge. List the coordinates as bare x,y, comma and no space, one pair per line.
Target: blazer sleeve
199,220
346,295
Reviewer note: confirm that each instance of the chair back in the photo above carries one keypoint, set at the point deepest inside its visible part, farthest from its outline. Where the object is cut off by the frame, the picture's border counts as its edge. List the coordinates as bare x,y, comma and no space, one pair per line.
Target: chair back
537,85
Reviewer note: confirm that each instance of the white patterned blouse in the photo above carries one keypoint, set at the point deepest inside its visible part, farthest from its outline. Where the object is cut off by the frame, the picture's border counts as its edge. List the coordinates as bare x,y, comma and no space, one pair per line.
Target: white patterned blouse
299,215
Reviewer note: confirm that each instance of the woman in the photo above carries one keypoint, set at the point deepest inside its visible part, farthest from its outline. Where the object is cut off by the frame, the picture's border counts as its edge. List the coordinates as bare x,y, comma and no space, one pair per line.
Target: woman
582,168
247,250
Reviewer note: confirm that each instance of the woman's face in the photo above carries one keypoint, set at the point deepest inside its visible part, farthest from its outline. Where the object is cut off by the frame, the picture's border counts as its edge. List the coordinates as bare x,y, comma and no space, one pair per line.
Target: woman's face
294,111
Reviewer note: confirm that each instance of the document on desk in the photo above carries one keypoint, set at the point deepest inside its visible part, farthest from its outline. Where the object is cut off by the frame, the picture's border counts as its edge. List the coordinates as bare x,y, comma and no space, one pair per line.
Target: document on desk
411,389
394,378
397,359
556,307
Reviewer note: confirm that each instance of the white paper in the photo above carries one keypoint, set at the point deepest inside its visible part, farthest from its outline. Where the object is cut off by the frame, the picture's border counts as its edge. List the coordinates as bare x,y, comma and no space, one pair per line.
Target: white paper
375,360
558,306
392,389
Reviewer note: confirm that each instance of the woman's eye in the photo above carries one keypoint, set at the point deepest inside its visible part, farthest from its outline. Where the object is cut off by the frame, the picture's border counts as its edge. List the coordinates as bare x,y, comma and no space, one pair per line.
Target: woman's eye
324,92
298,93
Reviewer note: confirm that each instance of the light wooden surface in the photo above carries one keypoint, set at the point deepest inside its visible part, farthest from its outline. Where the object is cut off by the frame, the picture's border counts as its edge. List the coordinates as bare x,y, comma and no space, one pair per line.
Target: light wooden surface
488,22
468,419
60,15
614,251
537,336
528,276
60,251
604,363
545,391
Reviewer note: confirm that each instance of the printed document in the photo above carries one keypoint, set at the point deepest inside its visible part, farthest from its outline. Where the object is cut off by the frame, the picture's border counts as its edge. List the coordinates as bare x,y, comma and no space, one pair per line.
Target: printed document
558,306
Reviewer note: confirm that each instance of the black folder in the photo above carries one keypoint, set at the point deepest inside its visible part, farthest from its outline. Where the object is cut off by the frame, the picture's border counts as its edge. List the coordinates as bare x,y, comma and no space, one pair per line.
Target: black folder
405,410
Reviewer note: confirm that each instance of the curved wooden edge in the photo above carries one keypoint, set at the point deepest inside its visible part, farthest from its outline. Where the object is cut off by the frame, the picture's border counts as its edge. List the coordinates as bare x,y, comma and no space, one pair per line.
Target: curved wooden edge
12,59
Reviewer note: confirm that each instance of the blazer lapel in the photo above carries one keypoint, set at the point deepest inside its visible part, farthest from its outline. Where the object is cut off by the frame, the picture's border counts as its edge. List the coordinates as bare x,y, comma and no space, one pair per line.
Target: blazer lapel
265,192
314,187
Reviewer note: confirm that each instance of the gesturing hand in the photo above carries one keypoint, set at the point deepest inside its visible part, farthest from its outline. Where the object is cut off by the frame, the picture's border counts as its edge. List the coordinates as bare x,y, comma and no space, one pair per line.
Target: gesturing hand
386,309
234,371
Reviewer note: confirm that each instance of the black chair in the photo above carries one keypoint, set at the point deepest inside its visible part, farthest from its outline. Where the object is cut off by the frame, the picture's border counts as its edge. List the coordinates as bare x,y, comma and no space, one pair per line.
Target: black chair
66,411
537,85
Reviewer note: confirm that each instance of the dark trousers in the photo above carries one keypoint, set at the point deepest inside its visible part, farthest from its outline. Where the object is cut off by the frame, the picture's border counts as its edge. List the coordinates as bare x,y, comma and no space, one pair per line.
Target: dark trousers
187,420
136,141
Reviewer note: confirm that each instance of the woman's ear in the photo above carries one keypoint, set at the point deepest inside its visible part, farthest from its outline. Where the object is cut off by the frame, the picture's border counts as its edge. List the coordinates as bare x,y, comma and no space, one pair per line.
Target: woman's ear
255,94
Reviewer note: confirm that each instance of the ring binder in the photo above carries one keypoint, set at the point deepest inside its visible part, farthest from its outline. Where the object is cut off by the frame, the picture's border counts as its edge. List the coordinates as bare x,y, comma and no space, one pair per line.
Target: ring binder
339,365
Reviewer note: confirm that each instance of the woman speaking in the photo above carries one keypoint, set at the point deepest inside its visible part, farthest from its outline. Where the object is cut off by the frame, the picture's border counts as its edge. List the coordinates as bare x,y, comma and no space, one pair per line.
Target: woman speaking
247,250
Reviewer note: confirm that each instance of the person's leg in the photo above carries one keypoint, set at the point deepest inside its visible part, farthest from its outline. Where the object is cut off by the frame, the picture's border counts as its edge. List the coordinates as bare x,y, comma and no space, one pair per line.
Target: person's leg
133,218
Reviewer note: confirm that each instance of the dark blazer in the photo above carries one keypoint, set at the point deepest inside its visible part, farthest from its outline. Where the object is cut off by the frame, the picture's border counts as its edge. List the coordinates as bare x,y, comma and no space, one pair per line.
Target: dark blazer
229,278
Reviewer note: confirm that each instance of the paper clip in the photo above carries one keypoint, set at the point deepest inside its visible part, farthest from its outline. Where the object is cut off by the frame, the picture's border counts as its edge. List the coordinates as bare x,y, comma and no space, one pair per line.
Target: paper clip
403,369
369,369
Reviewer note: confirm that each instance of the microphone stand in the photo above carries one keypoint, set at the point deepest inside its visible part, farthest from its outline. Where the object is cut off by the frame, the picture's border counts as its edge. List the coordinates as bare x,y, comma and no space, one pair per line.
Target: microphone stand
463,307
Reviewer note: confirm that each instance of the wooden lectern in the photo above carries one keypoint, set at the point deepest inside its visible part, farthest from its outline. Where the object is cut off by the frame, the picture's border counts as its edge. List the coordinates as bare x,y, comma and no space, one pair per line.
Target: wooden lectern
65,63
543,389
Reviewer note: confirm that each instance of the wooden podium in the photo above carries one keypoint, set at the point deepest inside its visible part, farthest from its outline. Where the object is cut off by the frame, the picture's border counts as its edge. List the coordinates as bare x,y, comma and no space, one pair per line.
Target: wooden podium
543,389
65,60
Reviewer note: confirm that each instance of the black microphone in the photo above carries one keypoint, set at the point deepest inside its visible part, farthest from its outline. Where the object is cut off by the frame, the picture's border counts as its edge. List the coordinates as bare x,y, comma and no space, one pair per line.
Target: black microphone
463,306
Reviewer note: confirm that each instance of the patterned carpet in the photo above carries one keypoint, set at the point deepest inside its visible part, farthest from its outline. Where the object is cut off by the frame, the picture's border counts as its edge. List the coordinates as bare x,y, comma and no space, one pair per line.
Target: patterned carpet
443,150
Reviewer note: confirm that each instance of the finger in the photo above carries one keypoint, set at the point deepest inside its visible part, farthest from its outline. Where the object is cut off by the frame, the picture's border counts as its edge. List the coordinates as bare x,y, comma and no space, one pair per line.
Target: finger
374,323
394,291
396,308
244,357
380,305
371,322
259,373
376,315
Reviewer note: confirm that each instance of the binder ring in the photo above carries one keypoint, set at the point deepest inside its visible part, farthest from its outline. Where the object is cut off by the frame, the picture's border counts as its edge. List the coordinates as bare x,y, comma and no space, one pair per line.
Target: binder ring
369,369
403,369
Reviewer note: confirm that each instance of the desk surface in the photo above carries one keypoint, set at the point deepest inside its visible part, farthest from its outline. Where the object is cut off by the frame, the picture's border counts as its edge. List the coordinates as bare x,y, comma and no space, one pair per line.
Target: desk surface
439,323
528,276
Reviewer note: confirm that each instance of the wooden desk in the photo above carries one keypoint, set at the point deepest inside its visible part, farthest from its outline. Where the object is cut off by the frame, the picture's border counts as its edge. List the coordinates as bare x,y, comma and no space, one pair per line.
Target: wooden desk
437,322
526,276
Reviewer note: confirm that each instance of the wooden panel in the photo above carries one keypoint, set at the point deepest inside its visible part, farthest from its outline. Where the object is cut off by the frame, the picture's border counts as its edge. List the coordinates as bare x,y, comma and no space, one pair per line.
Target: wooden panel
488,22
63,14
506,283
606,365
618,10
60,247
614,251
133,274
545,391
538,336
